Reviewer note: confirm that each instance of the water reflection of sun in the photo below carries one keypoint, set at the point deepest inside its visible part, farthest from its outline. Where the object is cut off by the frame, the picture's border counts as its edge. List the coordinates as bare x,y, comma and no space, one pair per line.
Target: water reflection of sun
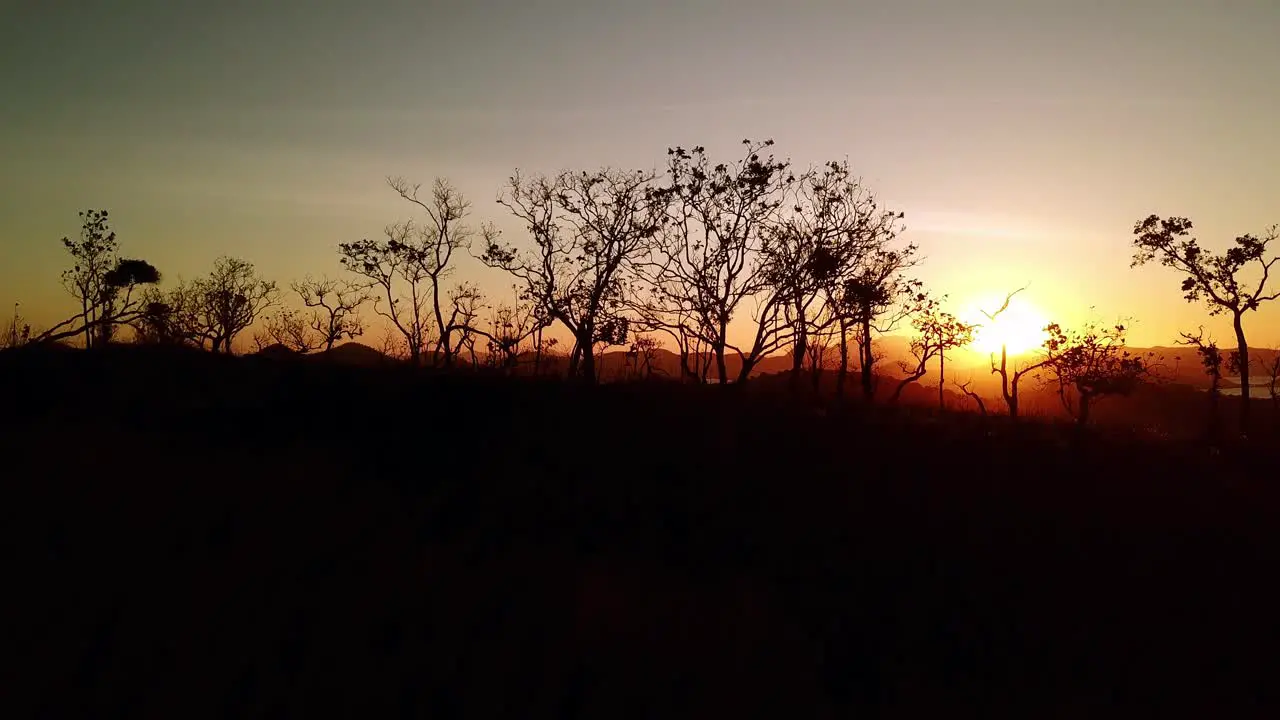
1020,327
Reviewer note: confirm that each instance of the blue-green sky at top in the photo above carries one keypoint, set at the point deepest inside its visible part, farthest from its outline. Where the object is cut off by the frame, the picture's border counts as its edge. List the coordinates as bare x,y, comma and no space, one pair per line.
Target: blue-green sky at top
1022,138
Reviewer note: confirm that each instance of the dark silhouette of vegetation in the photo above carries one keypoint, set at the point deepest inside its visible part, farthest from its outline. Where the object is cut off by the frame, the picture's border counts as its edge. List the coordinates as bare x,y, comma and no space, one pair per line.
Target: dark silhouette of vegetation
1092,363
708,260
977,399
937,332
223,304
17,334
586,229
1010,378
1216,280
102,282
580,529
1212,360
335,309
747,570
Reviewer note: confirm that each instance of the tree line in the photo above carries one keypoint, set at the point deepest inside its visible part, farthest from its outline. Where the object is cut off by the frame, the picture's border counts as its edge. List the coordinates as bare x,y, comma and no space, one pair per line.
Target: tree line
808,261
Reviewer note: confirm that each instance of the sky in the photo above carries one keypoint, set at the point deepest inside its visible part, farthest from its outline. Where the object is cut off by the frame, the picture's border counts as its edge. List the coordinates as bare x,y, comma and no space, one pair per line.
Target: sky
1022,138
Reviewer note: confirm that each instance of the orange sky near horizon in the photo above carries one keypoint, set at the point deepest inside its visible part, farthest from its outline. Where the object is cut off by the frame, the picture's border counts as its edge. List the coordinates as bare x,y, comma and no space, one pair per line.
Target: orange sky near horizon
1021,139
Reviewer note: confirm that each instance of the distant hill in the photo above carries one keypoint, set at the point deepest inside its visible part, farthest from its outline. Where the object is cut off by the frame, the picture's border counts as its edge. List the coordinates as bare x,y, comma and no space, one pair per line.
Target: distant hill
354,354
278,351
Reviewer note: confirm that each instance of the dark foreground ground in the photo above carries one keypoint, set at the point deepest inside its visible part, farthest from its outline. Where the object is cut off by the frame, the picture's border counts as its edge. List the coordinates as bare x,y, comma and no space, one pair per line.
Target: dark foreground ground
194,538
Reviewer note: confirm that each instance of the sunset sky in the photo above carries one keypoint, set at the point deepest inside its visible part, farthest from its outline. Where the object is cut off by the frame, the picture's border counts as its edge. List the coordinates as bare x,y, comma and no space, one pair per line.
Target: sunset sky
1022,138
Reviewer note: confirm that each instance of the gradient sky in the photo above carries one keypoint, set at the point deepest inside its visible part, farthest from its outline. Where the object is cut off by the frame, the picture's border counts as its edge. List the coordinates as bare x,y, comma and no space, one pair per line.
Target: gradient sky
1023,138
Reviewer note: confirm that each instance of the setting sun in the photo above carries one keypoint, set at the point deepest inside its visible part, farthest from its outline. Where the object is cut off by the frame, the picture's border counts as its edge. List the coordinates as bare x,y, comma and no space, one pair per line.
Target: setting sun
1020,327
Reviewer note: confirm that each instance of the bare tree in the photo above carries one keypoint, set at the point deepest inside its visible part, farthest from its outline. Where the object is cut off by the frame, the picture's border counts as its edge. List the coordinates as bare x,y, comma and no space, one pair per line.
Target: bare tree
435,244
977,399
1092,363
289,328
1217,280
393,345
938,331
1212,360
94,255
105,284
875,301
218,307
397,271
586,228
510,326
335,309
644,350
465,304
708,259
828,234
821,344
1011,378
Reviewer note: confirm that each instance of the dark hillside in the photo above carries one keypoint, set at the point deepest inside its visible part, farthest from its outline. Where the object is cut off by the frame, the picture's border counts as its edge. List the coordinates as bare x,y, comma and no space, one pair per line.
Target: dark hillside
200,536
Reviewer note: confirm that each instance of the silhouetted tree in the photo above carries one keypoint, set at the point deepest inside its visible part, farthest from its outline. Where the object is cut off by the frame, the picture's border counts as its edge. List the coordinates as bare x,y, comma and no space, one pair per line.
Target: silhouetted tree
335,309
168,317
509,327
218,307
875,301
433,246
397,269
1213,361
1214,279
937,332
1092,363
289,328
1011,378
644,350
102,282
833,225
393,344
821,343
977,399
586,228
708,258
465,304
543,348
94,255
612,332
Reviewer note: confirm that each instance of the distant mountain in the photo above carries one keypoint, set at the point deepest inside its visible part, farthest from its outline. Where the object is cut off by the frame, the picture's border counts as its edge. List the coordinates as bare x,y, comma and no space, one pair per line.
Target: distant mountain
354,354
278,351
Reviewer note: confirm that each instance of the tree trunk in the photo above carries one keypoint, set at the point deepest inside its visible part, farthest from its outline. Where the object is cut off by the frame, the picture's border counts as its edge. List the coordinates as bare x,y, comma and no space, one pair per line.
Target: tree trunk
586,359
1243,348
537,353
88,336
868,360
902,385
1085,404
843,370
800,347
942,378
1009,391
721,367
575,356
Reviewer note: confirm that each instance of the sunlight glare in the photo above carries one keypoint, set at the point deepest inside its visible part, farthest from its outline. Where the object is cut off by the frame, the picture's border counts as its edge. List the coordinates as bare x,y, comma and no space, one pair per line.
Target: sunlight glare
1020,327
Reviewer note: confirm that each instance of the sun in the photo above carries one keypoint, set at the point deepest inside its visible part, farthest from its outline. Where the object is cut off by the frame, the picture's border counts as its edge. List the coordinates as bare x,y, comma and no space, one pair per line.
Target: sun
1020,328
